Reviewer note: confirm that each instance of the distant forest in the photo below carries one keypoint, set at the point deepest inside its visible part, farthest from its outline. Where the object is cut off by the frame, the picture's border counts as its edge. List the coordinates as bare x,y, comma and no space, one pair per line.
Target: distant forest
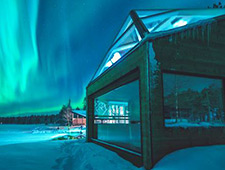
64,117
195,106
45,119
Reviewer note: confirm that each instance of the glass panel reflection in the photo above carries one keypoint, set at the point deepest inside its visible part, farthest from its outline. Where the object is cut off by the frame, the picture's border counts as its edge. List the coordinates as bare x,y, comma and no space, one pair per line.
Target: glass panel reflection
128,41
168,20
117,117
192,101
126,25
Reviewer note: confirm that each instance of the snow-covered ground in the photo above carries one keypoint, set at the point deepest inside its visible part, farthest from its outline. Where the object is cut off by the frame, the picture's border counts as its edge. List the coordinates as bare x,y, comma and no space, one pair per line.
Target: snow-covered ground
185,123
30,147
12,134
196,158
35,150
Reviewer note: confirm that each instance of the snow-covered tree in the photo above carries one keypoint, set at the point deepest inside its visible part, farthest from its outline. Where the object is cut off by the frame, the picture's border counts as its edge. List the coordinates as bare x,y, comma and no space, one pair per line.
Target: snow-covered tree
66,115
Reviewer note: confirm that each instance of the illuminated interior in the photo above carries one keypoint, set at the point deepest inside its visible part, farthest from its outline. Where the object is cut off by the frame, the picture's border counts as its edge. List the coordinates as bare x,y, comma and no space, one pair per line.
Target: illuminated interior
117,117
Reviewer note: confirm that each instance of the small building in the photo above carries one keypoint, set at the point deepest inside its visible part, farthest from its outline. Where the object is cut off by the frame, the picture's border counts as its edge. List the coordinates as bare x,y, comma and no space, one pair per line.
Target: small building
160,87
79,117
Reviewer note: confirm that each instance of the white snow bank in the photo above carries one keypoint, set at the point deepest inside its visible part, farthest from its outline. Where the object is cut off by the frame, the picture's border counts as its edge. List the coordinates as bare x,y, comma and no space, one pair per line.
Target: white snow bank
196,158
89,156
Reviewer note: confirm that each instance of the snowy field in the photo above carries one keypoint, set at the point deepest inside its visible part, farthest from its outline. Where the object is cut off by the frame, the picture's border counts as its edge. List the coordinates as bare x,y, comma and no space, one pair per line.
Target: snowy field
12,134
30,147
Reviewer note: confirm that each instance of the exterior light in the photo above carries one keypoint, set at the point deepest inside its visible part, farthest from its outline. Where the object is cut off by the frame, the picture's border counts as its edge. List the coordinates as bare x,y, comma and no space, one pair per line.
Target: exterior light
108,64
116,57
180,23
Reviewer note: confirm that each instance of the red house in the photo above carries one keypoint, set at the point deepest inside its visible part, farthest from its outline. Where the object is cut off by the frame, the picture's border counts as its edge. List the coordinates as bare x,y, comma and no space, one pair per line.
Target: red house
79,117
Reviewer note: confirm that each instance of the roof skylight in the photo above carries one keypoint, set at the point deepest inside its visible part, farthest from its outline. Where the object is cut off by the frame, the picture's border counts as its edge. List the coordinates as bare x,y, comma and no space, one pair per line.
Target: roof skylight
151,21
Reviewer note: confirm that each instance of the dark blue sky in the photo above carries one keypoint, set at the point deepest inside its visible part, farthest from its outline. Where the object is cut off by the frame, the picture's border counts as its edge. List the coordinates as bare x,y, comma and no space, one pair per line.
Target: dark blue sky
50,49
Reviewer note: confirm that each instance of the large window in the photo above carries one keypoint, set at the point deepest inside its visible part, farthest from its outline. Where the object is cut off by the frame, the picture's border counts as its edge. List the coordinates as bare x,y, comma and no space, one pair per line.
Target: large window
117,117
192,101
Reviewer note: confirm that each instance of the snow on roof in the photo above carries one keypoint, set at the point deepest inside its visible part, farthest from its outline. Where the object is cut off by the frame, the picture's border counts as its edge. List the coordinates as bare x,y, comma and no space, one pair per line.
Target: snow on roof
79,112
153,23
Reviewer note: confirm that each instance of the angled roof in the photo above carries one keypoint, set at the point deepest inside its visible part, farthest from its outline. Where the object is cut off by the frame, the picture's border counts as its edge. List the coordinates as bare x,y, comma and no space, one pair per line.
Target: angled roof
152,23
79,112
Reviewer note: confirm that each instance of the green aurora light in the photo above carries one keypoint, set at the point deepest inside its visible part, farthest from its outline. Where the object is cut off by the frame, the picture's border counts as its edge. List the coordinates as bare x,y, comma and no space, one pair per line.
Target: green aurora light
50,49
31,82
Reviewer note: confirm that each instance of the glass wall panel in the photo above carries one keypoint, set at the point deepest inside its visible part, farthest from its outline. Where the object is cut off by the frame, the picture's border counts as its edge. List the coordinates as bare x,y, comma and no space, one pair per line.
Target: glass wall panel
172,19
125,43
126,25
192,101
117,117
147,13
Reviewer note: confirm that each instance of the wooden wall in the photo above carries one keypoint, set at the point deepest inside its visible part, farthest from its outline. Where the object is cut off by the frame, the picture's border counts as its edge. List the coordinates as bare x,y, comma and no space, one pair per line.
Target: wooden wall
197,51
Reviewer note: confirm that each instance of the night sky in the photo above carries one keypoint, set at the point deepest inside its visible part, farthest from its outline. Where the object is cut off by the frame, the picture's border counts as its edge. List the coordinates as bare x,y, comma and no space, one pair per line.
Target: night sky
50,49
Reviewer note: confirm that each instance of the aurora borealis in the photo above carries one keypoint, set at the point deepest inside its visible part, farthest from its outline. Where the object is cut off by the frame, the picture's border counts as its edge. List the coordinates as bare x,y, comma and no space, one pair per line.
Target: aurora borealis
50,49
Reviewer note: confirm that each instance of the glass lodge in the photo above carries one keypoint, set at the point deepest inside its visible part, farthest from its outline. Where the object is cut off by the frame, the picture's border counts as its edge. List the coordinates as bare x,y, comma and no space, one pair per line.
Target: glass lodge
160,87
